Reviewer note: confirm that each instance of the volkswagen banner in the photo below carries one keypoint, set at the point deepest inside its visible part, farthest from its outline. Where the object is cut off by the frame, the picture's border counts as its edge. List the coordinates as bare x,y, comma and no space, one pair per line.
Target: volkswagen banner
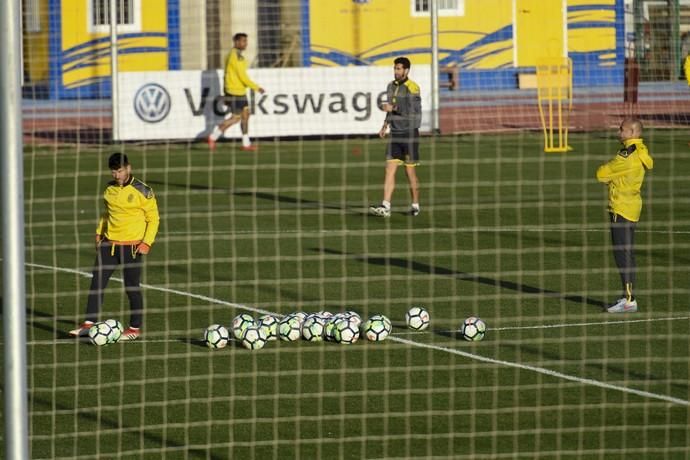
297,102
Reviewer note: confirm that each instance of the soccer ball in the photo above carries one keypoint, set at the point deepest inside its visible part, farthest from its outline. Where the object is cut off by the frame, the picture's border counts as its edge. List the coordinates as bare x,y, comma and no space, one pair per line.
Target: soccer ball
100,334
116,329
312,328
216,336
254,337
417,318
473,329
325,314
329,328
270,322
300,315
240,323
290,328
346,331
353,316
377,328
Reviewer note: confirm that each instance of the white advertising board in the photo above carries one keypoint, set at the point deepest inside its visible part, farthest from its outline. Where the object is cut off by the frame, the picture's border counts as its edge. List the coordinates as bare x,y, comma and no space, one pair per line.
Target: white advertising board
297,102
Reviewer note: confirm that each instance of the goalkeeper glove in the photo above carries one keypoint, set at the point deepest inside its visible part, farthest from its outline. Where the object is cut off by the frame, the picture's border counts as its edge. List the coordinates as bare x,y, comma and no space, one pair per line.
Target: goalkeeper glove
143,248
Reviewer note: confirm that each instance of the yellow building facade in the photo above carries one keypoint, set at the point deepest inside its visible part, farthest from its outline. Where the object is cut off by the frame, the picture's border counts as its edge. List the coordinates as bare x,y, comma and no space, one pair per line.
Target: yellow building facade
70,51
488,40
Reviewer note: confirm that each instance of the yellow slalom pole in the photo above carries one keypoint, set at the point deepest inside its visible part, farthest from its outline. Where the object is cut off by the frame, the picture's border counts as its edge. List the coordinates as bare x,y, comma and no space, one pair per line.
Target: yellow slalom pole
554,85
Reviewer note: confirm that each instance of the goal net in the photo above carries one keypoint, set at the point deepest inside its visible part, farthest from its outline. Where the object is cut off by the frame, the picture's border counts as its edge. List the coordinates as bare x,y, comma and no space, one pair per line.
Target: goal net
279,222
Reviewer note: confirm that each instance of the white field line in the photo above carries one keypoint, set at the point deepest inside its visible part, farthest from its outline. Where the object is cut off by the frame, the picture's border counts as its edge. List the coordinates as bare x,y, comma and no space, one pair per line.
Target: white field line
540,370
596,323
161,289
564,325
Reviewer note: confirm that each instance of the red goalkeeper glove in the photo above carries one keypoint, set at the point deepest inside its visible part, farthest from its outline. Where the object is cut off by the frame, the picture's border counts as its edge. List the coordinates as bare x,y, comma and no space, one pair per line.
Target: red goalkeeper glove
143,248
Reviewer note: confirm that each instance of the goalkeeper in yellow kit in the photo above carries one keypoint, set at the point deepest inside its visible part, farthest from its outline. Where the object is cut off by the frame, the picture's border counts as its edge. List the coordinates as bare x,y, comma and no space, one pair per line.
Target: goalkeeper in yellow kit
125,233
624,176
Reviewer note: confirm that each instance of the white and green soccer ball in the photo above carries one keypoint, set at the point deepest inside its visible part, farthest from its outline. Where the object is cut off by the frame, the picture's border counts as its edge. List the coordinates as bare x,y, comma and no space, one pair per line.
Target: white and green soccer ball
353,316
377,328
116,329
312,328
324,314
300,315
473,329
100,334
290,328
240,323
346,331
417,318
329,328
216,336
270,322
254,337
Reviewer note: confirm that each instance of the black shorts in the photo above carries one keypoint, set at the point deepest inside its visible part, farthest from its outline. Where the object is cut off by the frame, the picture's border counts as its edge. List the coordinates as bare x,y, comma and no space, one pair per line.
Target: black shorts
236,103
404,149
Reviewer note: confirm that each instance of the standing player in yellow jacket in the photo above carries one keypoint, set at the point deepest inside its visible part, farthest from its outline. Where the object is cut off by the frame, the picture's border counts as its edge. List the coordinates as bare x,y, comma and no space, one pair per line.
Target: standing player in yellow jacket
125,233
624,176
235,87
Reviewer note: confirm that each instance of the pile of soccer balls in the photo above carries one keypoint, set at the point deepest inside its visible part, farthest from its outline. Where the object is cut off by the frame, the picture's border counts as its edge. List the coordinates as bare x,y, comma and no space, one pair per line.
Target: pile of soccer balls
344,328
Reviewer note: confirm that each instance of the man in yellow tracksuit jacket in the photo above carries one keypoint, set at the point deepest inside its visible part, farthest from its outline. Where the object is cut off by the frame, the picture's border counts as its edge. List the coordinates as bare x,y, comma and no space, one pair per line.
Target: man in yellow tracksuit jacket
235,85
624,176
125,233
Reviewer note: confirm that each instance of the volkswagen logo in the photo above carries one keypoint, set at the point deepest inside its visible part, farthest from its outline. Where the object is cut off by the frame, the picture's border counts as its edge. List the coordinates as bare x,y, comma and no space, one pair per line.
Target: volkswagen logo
152,103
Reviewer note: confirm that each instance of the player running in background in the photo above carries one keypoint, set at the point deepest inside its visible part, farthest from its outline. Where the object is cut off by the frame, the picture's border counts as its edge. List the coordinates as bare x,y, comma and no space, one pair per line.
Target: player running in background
235,87
624,176
125,233
403,109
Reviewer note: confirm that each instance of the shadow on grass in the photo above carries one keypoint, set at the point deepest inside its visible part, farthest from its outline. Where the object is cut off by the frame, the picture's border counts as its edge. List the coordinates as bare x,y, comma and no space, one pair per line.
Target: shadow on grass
464,276
276,198
35,319
99,421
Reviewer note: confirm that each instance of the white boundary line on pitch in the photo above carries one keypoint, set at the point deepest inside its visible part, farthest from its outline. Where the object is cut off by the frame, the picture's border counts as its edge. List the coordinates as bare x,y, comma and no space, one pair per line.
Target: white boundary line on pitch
563,325
540,370
597,323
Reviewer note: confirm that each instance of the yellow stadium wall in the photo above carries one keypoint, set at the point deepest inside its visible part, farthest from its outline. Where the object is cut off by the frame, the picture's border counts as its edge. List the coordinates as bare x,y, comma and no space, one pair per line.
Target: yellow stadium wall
494,37
77,55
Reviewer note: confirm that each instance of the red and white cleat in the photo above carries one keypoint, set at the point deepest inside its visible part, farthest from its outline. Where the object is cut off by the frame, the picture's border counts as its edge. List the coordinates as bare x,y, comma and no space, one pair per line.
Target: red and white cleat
82,330
131,333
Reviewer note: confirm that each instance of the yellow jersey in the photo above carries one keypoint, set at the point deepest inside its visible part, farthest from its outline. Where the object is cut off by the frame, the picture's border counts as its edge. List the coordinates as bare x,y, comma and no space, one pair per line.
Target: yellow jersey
131,213
624,175
236,79
686,67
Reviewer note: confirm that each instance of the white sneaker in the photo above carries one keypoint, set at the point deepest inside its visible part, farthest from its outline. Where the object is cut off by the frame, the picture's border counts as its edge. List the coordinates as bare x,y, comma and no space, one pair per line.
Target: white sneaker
380,210
413,211
623,306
